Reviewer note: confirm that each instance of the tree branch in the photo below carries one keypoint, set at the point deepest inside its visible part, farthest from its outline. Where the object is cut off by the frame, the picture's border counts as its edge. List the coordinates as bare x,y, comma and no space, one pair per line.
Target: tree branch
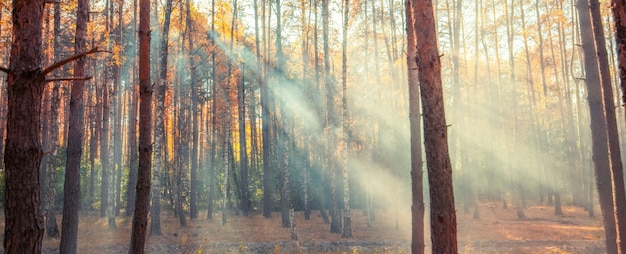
68,79
65,61
4,69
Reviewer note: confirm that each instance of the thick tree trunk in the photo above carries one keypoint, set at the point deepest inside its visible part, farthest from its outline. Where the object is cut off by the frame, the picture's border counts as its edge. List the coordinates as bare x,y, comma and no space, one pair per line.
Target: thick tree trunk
598,127
140,218
71,189
24,224
612,132
443,216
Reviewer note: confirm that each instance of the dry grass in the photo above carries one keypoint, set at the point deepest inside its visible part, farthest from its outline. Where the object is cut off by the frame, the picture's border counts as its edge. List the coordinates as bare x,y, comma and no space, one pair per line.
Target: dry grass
498,231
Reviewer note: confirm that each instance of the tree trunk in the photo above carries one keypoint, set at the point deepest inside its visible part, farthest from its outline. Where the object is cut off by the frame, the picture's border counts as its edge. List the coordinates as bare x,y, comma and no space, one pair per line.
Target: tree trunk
195,111
159,130
140,218
335,224
598,127
213,121
266,142
618,9
347,227
71,189
443,217
417,207
24,225
612,131
117,111
132,125
51,223
243,151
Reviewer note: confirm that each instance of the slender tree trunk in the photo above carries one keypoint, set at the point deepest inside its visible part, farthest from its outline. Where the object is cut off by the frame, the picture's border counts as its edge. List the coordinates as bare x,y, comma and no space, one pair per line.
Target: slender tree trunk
132,125
335,224
305,60
159,130
227,118
347,227
116,105
140,218
51,223
417,207
71,190
443,217
265,129
243,150
213,121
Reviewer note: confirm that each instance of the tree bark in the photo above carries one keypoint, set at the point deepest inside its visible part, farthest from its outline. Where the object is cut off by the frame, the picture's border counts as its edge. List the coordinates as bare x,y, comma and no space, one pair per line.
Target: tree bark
50,181
443,216
159,130
24,225
71,190
132,126
417,171
347,227
140,218
266,142
612,132
195,111
598,127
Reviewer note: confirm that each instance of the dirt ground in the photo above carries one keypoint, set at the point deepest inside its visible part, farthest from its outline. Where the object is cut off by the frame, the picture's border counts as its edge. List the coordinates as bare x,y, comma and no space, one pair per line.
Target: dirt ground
497,231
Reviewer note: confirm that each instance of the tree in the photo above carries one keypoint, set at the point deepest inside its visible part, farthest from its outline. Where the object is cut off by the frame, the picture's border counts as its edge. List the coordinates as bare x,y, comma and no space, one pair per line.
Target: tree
22,155
50,181
159,129
140,218
417,207
266,142
132,133
193,209
335,224
611,122
71,189
598,127
618,9
23,152
347,227
442,212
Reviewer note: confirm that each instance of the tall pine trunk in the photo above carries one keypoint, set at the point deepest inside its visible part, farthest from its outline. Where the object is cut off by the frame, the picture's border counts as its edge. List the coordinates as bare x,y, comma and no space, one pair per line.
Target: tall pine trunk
619,200
417,207
159,130
71,190
140,218
598,127
442,212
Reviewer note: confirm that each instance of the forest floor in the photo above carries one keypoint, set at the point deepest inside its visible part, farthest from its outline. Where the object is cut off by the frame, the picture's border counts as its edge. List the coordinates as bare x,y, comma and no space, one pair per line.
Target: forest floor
497,231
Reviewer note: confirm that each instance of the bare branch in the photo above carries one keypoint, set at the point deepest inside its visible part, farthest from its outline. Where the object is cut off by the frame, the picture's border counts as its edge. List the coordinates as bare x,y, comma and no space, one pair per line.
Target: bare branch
4,69
68,79
65,61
